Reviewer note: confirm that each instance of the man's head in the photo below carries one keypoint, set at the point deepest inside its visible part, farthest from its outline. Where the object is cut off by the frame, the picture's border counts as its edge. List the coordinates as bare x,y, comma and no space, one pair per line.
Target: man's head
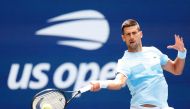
131,35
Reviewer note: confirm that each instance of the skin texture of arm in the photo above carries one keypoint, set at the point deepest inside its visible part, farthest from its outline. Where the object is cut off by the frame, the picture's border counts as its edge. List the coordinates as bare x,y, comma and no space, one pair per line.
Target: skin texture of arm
176,67
115,84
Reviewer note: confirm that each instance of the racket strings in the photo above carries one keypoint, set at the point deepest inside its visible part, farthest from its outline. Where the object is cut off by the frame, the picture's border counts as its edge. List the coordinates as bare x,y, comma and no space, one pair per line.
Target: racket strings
54,98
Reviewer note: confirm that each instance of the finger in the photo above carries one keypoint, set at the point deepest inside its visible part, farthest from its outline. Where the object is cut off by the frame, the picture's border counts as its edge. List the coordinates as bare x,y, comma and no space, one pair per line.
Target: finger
177,39
170,46
182,39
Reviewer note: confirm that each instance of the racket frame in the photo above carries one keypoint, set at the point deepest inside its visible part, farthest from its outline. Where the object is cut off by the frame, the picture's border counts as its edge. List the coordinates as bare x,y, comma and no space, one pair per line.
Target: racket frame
60,91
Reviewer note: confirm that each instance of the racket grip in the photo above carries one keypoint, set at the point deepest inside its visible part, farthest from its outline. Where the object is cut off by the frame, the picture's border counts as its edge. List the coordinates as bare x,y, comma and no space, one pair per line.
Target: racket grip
85,89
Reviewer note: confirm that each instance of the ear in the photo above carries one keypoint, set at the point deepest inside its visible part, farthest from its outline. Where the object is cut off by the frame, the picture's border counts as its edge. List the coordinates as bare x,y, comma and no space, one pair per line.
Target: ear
123,38
141,33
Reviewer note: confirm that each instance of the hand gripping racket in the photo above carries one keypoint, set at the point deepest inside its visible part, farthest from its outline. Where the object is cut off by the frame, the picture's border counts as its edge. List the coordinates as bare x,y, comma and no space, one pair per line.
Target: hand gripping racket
55,98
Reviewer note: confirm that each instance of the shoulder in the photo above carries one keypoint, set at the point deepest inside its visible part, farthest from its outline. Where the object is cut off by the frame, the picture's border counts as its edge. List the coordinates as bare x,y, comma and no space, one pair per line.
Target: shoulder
125,55
121,61
150,48
124,59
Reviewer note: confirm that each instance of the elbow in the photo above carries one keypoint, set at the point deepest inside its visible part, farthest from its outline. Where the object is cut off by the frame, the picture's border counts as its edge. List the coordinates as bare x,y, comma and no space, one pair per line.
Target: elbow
177,70
119,85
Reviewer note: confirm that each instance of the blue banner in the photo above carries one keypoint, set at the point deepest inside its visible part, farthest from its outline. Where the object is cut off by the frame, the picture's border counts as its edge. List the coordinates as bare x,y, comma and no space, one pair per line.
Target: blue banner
65,44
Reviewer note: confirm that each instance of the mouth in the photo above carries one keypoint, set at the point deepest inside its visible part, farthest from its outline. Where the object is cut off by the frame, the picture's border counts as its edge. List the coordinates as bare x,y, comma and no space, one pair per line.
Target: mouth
132,42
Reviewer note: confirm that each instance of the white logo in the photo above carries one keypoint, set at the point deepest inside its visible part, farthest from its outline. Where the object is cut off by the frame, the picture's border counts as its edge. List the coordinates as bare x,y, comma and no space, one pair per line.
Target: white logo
85,29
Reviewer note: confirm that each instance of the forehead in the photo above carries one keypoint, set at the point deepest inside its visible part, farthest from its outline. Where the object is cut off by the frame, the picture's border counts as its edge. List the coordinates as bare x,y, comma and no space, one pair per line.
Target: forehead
131,28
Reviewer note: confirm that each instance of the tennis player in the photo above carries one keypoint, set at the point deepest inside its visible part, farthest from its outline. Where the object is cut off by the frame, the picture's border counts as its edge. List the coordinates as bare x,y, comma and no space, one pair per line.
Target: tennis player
141,68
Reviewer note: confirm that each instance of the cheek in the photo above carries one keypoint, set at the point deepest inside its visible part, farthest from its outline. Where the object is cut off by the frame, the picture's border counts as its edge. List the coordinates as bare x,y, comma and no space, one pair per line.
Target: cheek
127,42
125,39
138,38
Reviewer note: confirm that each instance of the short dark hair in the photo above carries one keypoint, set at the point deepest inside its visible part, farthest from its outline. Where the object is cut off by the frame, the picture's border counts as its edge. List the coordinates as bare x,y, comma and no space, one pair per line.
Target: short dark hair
129,23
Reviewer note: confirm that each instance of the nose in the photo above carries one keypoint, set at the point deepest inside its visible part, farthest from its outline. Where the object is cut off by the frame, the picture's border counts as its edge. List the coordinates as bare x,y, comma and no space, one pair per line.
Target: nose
131,35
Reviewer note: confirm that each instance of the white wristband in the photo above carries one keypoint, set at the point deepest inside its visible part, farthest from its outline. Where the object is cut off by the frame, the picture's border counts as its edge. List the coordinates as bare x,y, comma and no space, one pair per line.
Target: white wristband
104,84
182,55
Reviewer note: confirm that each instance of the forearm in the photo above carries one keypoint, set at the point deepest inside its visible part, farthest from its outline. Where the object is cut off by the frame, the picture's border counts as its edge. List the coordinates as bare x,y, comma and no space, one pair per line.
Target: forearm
115,84
178,66
180,62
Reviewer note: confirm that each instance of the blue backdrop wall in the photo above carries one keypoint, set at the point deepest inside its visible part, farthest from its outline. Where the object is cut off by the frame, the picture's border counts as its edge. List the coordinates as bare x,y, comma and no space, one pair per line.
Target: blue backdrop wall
67,43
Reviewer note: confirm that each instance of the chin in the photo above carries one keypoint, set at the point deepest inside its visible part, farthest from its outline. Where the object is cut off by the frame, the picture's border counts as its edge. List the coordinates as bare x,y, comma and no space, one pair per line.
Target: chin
134,47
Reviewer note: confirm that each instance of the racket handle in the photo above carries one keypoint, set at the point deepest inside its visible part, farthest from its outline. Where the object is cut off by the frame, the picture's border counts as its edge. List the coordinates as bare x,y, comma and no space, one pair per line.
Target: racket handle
85,89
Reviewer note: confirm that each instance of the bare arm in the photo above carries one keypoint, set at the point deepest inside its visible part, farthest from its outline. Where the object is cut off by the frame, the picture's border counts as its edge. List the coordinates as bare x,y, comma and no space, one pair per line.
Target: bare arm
176,67
115,84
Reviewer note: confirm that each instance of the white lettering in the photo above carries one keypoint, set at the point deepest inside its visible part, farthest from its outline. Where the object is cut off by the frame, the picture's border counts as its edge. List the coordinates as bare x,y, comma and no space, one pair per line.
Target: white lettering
23,82
85,68
108,71
40,76
72,73
65,76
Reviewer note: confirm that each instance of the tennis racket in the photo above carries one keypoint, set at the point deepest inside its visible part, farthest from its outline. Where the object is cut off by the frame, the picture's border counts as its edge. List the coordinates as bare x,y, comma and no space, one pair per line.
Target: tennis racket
55,98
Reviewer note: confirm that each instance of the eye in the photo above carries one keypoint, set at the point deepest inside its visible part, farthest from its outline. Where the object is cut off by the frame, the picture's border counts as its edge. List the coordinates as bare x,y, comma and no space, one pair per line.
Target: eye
134,33
127,34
